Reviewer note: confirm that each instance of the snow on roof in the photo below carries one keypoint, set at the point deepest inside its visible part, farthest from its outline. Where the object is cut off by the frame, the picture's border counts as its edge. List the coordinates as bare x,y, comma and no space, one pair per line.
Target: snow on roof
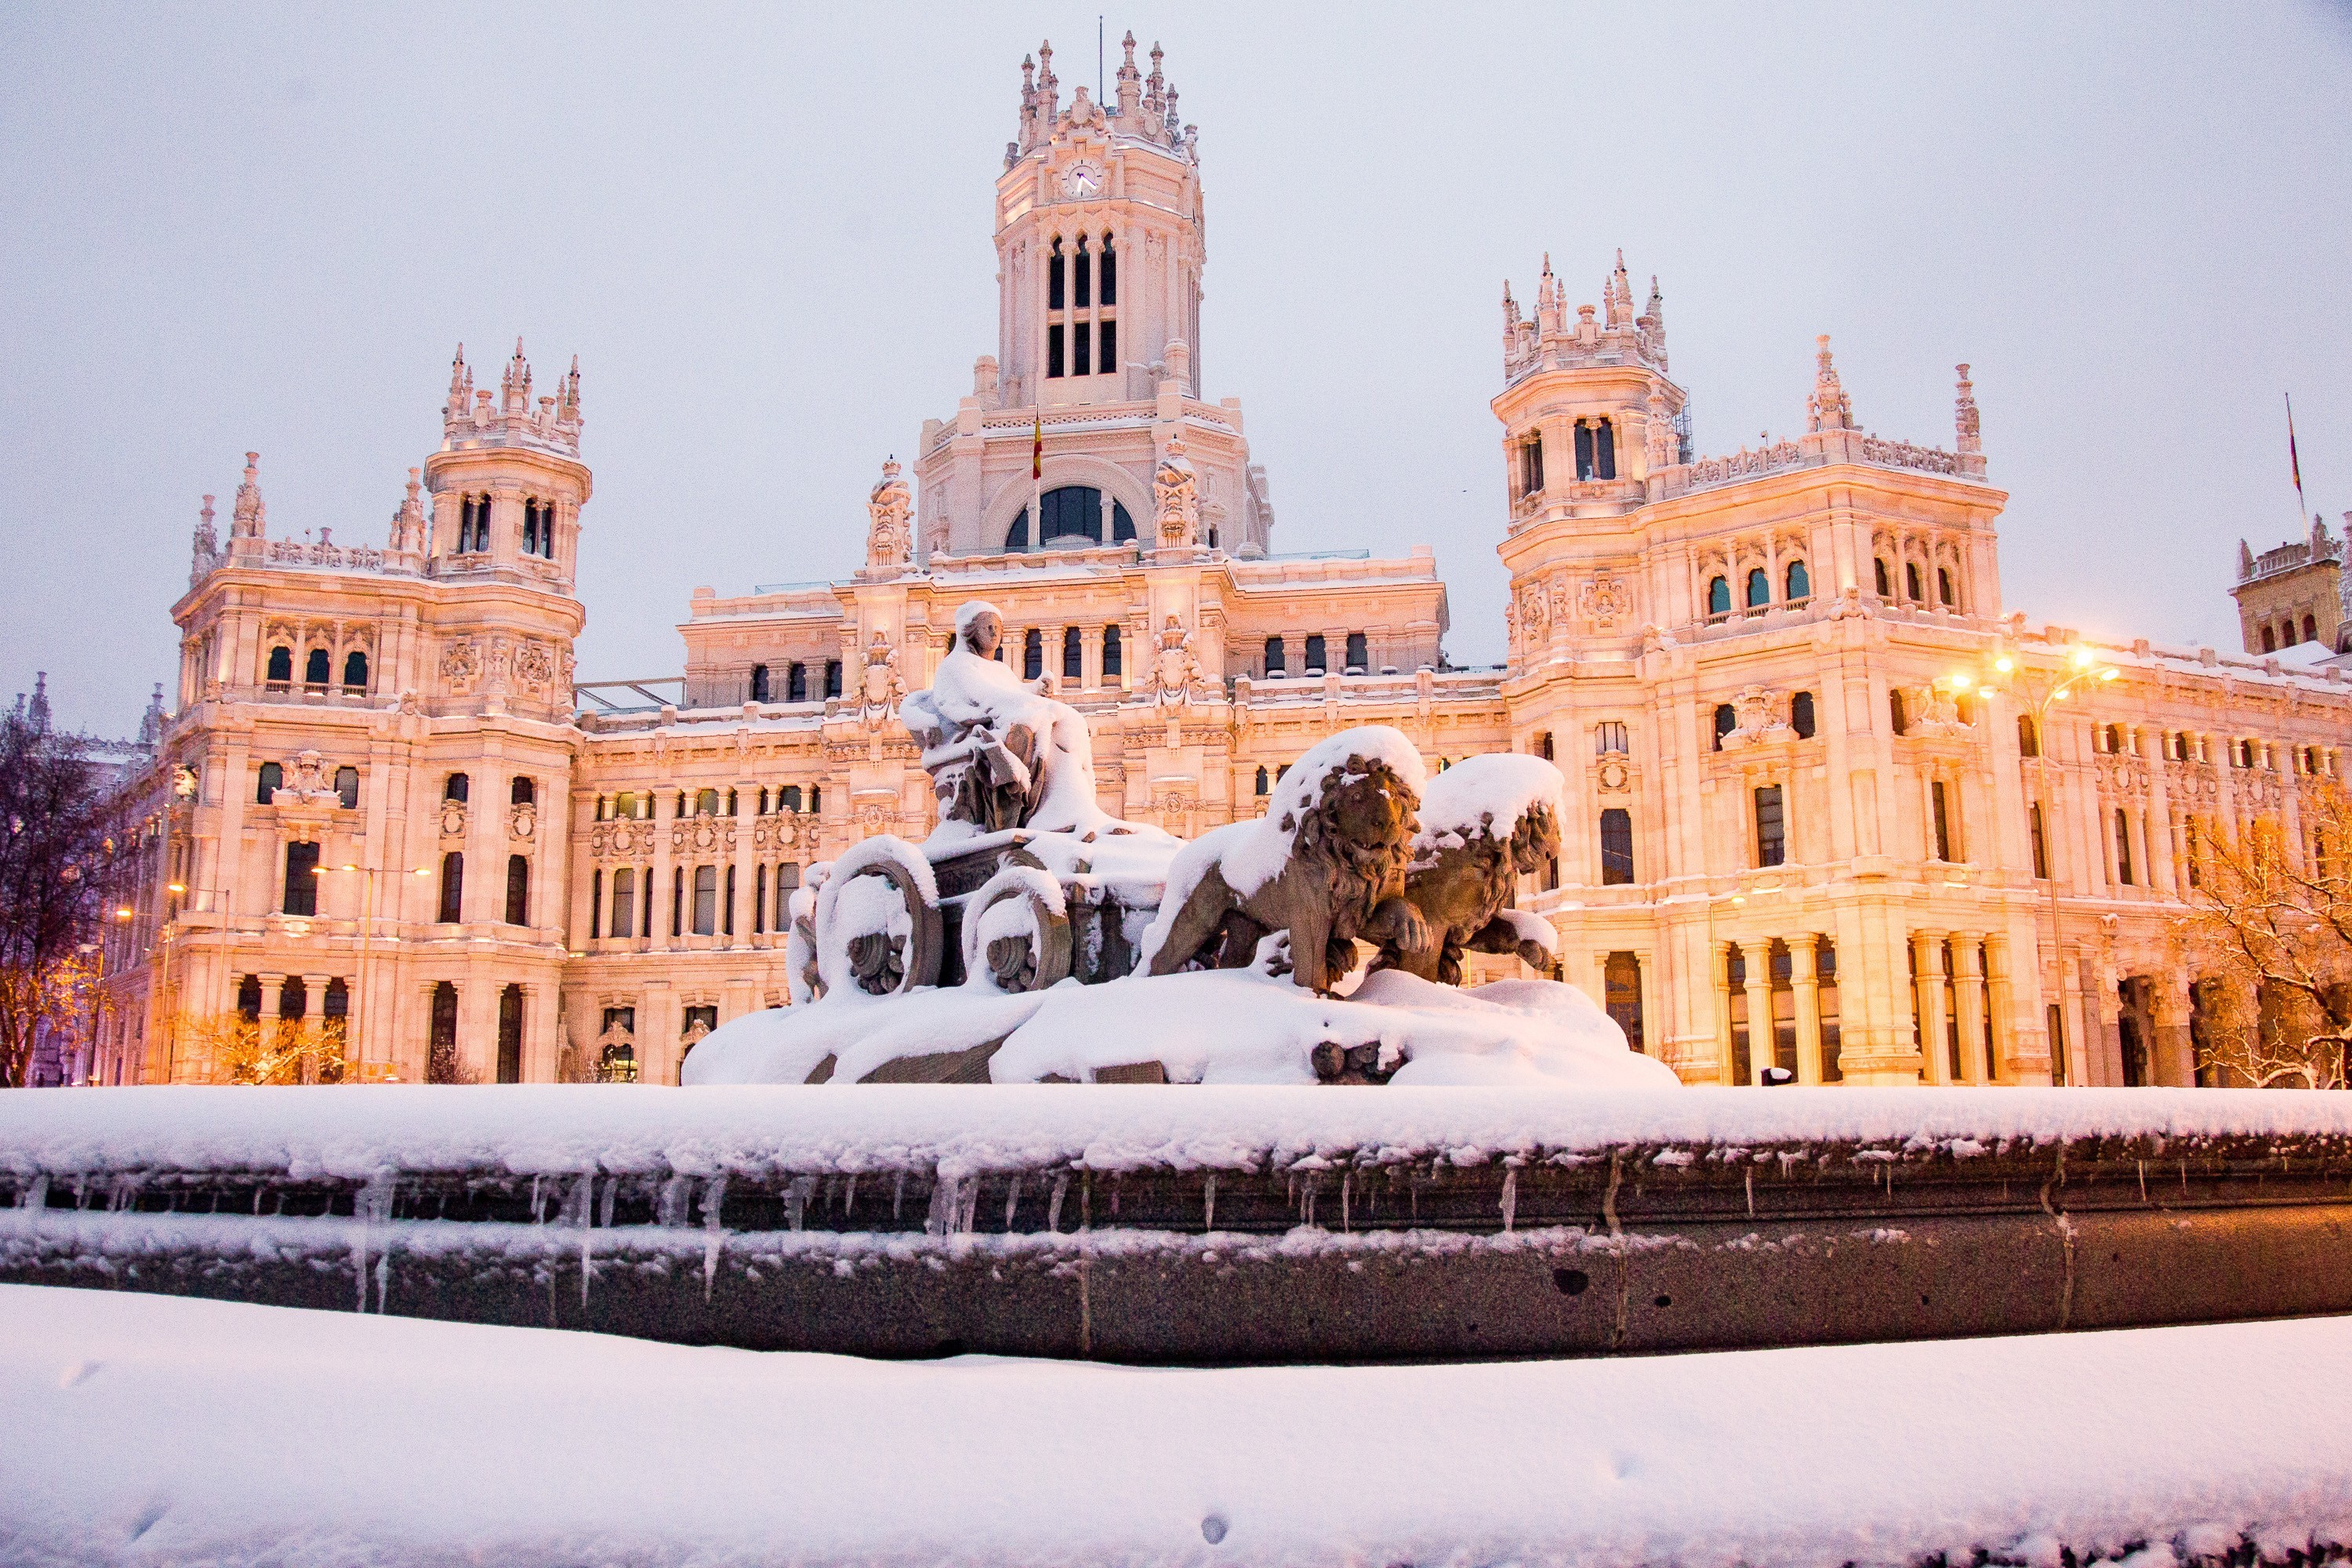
175,1429
1487,795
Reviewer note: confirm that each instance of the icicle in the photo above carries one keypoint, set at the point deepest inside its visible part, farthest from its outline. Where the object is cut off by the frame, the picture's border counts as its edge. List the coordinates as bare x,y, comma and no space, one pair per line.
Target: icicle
604,1213
1346,1193
1011,1202
382,1276
1053,1208
939,1218
1209,1203
1752,1191
898,1196
792,1207
1086,1201
36,1196
714,1197
849,1196
1510,1199
676,1197
969,1217
537,1214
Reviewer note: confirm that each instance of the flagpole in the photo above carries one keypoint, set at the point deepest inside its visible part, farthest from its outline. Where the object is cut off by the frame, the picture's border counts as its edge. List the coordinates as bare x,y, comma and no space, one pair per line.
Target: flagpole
2295,467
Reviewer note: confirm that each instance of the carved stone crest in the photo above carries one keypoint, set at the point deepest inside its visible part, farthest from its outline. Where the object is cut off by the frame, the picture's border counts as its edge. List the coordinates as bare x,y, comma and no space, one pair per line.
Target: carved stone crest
1604,602
534,665
1758,710
1175,672
879,686
461,666
1175,497
889,507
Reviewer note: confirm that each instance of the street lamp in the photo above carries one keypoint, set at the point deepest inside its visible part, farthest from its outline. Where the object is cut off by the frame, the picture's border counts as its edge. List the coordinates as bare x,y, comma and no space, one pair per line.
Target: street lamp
2083,667
367,926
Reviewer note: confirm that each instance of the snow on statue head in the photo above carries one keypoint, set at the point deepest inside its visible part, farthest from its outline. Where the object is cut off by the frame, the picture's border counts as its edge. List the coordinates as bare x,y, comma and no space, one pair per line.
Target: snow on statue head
1002,753
1326,865
1485,823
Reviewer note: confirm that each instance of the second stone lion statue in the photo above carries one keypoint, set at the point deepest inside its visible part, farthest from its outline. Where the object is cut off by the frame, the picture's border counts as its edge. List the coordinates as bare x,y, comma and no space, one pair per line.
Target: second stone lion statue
1326,865
1485,823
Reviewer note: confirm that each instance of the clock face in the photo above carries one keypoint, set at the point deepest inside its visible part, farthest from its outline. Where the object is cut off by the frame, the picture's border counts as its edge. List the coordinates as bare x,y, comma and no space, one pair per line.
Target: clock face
1082,182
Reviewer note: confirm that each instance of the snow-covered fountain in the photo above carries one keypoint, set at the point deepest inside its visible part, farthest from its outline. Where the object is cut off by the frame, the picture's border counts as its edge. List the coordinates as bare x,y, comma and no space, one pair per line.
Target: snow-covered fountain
1034,938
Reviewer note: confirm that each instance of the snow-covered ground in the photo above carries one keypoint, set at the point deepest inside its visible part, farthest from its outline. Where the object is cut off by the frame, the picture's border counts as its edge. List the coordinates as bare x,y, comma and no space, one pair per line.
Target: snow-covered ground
959,1130
151,1429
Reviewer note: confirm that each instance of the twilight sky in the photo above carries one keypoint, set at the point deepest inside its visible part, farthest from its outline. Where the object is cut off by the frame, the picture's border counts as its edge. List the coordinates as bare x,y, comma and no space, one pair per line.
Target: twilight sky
766,233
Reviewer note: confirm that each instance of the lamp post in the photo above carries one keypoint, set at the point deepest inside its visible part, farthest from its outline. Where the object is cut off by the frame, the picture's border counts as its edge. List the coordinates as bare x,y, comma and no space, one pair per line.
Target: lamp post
367,926
2082,669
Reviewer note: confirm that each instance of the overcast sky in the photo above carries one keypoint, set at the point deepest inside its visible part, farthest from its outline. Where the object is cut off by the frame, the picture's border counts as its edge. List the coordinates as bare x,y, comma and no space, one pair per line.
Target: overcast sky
766,234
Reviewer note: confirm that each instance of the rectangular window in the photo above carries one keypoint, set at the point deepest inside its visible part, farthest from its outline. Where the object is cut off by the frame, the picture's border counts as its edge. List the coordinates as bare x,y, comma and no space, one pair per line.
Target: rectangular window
346,788
1735,978
2041,844
2123,847
726,910
1616,848
1053,351
595,905
1531,460
1315,665
1082,343
1108,361
1608,740
1112,666
453,888
1110,273
833,677
1936,801
302,879
1583,451
625,902
1073,654
678,903
1621,985
1771,829
1359,655
706,900
518,891
1832,1036
1083,295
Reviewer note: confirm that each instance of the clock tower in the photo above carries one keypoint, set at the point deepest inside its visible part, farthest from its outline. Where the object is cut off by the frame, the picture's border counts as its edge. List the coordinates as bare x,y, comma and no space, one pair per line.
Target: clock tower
1099,243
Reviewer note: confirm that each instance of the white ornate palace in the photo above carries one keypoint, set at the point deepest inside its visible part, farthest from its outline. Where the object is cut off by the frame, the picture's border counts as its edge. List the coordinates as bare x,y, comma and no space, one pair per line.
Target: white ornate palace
1798,832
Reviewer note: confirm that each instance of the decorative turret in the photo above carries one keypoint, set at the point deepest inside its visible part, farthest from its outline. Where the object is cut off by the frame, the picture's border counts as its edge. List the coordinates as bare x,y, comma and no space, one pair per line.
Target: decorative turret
1829,407
411,532
152,722
889,507
1968,430
248,519
37,715
1606,334
470,418
204,551
1129,95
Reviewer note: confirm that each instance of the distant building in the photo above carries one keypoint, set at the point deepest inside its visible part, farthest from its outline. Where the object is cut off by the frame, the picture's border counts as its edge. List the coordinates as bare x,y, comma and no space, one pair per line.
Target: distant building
1799,831
2295,594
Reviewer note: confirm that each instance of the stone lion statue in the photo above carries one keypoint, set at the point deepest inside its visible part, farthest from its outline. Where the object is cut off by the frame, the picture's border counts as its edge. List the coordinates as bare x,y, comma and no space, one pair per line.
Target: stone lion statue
1325,866
1485,823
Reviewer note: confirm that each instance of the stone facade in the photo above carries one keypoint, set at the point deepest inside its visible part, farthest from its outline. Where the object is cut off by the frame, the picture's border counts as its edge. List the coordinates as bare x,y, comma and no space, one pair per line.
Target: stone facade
2295,594
1790,797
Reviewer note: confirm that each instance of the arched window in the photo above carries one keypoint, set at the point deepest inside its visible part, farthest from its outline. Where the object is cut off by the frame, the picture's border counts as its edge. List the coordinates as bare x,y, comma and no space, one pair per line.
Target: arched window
796,683
2270,641
248,998
1114,656
1262,782
1726,720
2028,737
758,683
1800,715
282,666
1878,572
522,791
455,787
1032,654
453,888
1273,665
789,798
1911,580
2115,739
1082,280
317,669
510,1035
1759,588
347,787
1799,582
1057,295
705,803
1109,290
1073,654
625,902
302,879
517,889
816,800
1944,587
1616,848
356,671
1360,657
272,780
293,999
1072,515
1718,597
441,1047
1316,664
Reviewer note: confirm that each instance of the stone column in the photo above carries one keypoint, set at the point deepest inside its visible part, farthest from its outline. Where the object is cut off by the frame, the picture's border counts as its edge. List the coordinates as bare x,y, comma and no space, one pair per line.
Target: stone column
1761,1052
1722,1047
2009,1064
1803,948
1969,998
1934,1051
665,821
747,806
2172,1058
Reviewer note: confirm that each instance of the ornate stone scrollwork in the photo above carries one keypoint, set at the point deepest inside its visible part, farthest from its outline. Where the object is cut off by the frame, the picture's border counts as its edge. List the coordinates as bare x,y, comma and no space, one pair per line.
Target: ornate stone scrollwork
1175,497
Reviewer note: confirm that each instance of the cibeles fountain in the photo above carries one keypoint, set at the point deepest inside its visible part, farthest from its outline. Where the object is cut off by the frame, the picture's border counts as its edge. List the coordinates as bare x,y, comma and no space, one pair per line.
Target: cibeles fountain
1034,937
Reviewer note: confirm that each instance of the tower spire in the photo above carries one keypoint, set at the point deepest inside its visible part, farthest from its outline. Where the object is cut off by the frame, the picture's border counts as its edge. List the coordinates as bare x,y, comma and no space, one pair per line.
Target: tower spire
249,519
1829,408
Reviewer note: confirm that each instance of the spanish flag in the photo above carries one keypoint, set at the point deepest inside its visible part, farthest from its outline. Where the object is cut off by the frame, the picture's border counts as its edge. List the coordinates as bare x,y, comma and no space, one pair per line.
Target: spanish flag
2293,463
1037,449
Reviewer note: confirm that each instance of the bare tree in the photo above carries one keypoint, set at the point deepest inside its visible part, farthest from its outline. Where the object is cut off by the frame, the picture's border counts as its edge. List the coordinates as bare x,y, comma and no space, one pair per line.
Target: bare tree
52,850
267,1051
2280,923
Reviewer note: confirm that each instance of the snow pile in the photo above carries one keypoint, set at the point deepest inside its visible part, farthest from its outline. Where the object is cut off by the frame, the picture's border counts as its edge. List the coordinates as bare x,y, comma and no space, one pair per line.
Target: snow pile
1239,1026
860,1033
356,1132
857,904
1484,796
155,1429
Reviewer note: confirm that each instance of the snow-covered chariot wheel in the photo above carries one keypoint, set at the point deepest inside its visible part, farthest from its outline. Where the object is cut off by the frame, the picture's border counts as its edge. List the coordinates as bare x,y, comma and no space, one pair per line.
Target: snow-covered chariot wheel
877,919
1016,930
